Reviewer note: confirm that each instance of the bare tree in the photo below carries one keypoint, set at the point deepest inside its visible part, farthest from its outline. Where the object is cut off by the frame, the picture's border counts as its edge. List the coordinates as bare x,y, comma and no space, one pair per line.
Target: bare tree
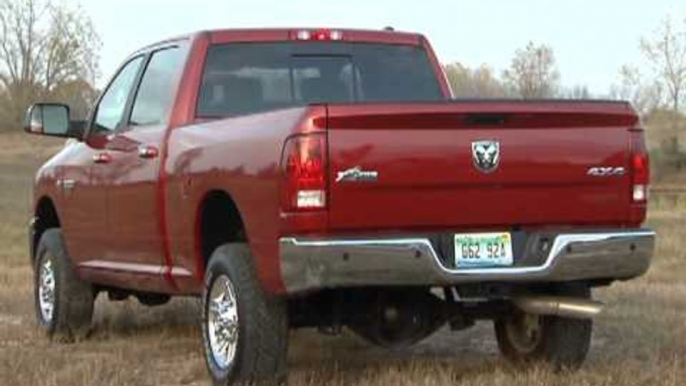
43,47
666,50
473,83
576,92
644,94
532,73
460,80
79,94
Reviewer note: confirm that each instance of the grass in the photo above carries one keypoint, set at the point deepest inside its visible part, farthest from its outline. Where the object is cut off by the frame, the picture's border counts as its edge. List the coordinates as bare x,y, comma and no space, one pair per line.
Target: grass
639,340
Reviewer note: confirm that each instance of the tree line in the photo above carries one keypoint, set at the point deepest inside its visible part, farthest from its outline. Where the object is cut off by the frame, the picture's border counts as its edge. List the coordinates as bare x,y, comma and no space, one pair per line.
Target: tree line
656,88
533,74
50,52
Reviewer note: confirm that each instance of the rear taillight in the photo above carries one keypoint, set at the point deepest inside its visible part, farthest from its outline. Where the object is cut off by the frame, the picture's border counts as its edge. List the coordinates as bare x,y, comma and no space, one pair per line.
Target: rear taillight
640,167
304,169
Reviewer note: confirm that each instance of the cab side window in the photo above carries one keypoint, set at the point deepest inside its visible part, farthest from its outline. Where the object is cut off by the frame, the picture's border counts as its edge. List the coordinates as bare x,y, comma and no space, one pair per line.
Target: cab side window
156,92
110,111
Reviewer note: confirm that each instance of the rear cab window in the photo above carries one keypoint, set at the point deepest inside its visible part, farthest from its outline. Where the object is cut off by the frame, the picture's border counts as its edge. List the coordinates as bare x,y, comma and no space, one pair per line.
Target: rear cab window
242,78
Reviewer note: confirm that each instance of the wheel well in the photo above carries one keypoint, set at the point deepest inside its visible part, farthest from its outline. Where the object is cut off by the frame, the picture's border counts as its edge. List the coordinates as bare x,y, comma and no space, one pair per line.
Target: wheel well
45,218
219,223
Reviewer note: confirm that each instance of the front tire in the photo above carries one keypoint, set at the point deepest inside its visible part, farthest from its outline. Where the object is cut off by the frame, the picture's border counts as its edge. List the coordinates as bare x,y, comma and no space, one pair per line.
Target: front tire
559,341
64,303
245,330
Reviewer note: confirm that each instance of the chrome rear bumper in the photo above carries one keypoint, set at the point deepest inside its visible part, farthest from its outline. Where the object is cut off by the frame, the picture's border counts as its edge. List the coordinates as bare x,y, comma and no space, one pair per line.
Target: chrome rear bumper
308,263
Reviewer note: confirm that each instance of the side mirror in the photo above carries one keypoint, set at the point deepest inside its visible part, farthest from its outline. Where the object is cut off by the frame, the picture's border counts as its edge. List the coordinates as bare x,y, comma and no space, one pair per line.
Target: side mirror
51,119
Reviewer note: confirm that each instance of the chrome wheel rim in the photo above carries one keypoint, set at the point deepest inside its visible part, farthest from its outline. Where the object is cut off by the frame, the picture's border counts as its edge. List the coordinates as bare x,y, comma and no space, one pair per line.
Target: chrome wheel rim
222,322
525,332
46,289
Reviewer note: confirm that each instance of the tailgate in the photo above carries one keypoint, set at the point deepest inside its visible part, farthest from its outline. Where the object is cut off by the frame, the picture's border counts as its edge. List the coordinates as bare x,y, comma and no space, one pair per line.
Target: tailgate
478,164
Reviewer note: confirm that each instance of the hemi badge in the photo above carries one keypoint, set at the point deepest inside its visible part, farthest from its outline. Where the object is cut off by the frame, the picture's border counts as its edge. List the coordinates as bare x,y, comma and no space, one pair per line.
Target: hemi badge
356,174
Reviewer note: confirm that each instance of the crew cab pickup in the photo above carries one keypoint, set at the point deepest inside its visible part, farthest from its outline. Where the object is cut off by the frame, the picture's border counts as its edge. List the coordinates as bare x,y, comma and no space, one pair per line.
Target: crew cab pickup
326,178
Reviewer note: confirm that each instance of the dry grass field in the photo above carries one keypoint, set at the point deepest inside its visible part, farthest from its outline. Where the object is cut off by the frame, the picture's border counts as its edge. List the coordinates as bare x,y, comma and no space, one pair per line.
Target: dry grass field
639,340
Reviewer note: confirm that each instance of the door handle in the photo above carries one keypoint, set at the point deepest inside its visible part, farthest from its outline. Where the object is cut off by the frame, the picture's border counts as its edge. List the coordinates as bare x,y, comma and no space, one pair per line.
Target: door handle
147,152
102,158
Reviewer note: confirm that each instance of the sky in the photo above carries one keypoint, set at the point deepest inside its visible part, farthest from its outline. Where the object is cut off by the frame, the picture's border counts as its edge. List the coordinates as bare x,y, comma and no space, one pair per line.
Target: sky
591,39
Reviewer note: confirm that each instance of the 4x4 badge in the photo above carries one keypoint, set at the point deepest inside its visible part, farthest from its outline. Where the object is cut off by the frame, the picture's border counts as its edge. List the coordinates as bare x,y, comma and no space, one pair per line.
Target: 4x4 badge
486,155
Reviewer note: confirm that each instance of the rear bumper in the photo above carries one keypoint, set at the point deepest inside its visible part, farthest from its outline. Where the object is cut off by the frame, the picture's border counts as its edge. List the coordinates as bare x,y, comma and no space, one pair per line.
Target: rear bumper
309,264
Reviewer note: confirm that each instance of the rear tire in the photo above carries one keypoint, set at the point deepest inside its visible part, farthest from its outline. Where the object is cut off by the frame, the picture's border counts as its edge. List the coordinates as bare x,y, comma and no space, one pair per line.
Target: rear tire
64,303
245,330
561,342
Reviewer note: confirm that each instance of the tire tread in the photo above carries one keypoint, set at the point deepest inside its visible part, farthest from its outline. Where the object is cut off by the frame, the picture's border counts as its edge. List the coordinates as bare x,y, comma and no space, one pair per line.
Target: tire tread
264,320
74,297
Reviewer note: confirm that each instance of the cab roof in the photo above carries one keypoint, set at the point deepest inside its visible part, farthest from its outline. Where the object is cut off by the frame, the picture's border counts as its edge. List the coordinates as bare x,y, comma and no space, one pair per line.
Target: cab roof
388,36
315,34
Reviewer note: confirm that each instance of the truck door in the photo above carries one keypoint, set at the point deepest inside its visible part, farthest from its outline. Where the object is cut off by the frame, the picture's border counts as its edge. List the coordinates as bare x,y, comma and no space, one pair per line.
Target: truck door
83,187
130,173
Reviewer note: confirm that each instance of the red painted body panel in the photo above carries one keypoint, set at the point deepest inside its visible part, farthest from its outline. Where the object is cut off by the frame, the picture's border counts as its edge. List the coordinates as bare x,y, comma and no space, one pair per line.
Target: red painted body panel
427,179
241,157
129,184
83,221
134,222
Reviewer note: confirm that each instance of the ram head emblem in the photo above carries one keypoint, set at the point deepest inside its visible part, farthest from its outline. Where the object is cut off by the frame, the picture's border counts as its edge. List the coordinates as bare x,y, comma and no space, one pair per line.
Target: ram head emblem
486,155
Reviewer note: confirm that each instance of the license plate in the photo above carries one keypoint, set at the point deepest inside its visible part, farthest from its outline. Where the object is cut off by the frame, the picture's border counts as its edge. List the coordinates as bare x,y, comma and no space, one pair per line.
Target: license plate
481,250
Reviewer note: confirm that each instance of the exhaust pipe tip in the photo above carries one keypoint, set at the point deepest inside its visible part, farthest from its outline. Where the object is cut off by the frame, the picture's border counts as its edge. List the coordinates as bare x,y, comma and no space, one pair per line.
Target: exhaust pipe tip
559,306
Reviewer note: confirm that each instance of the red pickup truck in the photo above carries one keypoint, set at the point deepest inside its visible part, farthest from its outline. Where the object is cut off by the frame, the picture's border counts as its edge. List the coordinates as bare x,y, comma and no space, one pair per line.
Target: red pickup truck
325,178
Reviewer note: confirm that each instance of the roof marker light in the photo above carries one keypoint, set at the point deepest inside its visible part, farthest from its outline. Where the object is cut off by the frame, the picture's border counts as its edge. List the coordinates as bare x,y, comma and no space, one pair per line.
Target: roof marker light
319,35
336,35
303,35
